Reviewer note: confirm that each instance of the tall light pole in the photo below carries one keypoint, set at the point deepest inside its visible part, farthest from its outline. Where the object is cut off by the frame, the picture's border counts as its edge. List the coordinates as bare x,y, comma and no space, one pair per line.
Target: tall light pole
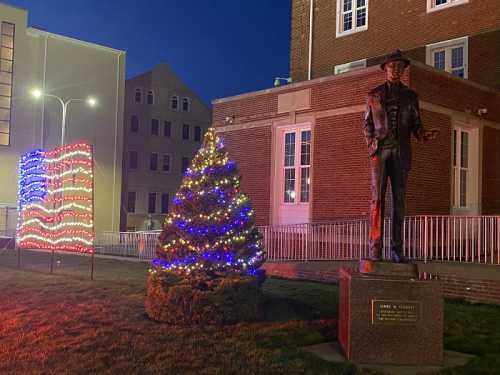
91,101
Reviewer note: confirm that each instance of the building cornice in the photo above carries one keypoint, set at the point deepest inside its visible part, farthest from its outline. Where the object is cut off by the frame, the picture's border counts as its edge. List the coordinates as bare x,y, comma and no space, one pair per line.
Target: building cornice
31,31
354,73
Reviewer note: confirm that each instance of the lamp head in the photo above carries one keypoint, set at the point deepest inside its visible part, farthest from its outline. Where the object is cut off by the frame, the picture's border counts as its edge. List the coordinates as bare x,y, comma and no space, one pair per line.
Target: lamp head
36,93
277,82
91,101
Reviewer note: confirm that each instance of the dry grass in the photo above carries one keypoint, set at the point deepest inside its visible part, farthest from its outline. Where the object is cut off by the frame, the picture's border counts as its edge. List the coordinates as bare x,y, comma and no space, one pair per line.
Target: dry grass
67,324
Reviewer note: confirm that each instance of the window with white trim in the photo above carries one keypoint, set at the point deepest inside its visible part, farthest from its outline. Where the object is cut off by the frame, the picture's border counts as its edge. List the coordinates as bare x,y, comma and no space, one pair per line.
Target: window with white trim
352,16
174,103
185,104
138,95
450,56
150,97
297,163
433,5
460,167
353,65
166,163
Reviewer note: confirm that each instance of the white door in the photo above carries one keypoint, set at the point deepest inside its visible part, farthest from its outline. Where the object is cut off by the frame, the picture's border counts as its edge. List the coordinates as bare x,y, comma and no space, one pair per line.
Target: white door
293,171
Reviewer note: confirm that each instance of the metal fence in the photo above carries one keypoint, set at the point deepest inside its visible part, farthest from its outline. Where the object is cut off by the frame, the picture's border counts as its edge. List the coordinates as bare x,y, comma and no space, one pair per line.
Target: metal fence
446,238
8,221
127,244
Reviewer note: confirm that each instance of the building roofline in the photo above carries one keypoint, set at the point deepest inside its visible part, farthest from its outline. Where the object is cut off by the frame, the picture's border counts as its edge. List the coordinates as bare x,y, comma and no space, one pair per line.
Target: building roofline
37,32
295,85
353,73
14,7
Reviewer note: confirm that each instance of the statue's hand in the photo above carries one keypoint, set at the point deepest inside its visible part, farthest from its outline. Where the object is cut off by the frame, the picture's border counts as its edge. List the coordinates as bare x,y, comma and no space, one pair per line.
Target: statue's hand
431,134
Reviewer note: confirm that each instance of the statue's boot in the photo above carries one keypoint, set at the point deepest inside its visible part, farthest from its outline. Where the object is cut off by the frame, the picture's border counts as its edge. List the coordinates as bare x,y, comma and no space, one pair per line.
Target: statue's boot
398,257
375,255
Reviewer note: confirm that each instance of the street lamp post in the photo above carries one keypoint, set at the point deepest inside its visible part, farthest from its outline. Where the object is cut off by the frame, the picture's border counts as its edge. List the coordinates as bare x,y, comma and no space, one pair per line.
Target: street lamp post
91,101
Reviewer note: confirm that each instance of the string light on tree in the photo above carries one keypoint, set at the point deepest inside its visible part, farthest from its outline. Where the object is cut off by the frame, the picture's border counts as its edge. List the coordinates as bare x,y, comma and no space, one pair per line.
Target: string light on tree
210,229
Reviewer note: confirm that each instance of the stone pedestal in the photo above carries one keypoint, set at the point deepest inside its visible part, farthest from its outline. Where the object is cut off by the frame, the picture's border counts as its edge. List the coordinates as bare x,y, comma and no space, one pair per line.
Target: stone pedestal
388,316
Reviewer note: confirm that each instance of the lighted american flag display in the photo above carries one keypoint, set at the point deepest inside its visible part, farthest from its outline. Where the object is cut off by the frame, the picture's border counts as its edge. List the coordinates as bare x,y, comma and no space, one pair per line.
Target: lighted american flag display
56,199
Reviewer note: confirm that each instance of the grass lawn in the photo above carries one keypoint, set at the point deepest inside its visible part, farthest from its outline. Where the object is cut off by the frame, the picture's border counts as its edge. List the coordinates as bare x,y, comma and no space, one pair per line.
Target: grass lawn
66,324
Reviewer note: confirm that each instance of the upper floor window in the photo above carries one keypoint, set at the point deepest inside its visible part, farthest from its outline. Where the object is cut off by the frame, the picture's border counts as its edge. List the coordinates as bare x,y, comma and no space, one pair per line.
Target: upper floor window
184,164
164,203
167,129
166,163
132,159
185,131
155,125
433,5
153,161
150,97
353,65
138,95
134,124
197,133
131,197
6,61
450,56
352,16
151,203
185,104
175,102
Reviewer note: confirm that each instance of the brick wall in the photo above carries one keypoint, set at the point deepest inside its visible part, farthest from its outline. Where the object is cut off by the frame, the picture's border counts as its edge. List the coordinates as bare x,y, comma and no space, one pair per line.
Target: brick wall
491,171
484,59
251,149
456,284
452,92
392,24
341,184
429,187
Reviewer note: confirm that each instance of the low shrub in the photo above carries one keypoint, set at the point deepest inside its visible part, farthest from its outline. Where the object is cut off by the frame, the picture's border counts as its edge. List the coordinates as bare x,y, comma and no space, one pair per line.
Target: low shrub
176,300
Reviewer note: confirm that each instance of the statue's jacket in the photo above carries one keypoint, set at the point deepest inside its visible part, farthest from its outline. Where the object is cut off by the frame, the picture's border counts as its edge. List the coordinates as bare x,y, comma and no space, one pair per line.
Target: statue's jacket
376,125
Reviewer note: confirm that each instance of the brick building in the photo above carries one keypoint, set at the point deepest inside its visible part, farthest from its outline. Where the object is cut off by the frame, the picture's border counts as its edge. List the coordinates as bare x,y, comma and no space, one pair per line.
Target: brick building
458,36
300,147
313,130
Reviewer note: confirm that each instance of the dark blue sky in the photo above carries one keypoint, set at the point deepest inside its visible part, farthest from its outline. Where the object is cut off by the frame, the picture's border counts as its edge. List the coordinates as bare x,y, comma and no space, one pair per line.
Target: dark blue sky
218,47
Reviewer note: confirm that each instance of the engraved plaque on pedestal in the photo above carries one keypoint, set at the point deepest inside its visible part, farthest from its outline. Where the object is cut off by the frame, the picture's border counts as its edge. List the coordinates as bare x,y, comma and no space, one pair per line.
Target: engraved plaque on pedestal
395,311
390,318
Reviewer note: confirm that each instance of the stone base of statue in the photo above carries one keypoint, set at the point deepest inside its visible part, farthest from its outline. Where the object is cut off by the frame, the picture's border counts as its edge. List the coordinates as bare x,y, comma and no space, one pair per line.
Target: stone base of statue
387,315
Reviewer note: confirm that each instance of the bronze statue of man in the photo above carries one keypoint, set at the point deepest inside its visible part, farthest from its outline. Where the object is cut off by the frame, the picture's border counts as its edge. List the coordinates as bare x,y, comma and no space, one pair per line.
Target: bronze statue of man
392,116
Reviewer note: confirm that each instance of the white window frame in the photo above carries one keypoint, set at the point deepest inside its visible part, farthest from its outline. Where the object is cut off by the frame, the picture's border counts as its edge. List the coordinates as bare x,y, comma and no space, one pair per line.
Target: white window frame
169,163
138,89
171,101
447,46
188,104
432,7
157,162
297,211
473,170
350,66
340,20
147,97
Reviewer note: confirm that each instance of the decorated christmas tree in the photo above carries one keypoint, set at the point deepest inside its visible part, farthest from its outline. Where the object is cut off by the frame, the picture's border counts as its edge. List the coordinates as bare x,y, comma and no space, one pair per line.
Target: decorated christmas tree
210,231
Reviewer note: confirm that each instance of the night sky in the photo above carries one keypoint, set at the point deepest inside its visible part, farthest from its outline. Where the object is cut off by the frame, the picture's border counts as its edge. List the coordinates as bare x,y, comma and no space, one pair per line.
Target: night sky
218,48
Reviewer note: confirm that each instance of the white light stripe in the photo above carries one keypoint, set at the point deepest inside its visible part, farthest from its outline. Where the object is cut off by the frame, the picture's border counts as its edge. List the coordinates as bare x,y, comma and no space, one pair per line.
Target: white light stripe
54,227
59,209
59,240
